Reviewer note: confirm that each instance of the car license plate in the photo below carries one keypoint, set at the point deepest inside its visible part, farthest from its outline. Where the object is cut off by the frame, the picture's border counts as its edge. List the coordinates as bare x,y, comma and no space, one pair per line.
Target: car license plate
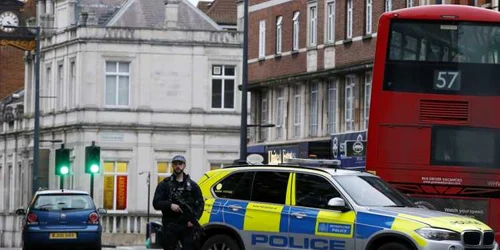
54,236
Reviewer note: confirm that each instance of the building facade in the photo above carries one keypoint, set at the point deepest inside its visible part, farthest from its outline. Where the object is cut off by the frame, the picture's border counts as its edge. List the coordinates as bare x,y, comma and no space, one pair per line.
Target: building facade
310,71
144,80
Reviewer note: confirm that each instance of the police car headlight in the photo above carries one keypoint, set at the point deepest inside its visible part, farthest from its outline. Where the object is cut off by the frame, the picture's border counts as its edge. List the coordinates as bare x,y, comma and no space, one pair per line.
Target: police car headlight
438,234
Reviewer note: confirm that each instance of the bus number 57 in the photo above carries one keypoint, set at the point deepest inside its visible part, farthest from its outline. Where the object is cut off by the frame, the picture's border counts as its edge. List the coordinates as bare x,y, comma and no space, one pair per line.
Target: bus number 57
447,80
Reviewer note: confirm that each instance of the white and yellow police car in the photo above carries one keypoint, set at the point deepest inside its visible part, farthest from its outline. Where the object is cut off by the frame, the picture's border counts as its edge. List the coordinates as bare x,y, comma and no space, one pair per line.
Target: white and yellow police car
314,207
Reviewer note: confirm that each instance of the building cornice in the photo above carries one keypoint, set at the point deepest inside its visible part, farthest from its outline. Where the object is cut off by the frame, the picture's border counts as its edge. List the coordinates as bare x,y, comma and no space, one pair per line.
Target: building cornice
138,128
323,74
123,35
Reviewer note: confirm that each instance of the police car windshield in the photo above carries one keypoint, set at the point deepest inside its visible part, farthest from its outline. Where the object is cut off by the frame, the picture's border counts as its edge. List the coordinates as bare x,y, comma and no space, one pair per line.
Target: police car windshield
372,191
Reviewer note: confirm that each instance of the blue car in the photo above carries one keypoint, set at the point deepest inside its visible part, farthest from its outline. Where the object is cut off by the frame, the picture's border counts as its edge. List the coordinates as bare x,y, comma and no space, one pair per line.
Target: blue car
61,218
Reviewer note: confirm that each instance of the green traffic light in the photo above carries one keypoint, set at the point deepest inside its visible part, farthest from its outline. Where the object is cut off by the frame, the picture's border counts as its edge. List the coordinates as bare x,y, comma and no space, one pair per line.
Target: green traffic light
64,170
94,168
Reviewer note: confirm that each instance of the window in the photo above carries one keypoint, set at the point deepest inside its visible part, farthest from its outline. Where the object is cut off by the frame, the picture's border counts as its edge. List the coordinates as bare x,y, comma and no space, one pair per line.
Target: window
263,116
349,103
117,83
60,87
313,25
237,186
270,187
280,113
2,189
218,165
313,191
349,19
469,47
262,39
372,191
388,5
369,16
332,106
296,111
47,88
223,80
278,34
62,202
409,3
115,185
72,85
296,31
330,29
164,170
313,116
368,90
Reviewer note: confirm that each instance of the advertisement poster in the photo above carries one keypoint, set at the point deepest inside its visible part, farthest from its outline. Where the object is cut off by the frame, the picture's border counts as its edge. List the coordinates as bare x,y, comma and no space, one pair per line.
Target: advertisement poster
477,209
121,200
109,184
350,149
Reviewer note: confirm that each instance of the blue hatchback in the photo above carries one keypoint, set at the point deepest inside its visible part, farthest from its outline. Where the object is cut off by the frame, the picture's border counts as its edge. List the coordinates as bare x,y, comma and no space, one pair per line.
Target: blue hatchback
61,218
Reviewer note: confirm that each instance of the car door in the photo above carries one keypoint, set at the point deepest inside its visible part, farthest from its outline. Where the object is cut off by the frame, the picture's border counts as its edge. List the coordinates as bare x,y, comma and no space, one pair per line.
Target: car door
232,195
312,224
265,226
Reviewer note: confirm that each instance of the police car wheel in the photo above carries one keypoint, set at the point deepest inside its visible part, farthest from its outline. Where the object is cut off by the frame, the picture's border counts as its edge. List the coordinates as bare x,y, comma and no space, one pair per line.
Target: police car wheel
394,246
220,242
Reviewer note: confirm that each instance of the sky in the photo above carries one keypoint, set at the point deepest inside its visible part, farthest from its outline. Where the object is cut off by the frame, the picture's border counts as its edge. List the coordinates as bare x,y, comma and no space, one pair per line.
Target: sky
195,2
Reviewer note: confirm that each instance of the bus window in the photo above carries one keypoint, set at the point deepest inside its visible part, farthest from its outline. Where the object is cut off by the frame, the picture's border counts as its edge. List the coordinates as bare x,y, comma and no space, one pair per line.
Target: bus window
443,58
461,146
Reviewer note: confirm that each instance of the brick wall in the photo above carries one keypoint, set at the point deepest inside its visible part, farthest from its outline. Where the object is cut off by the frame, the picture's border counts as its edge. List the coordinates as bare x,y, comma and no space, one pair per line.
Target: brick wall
11,70
349,53
346,54
12,62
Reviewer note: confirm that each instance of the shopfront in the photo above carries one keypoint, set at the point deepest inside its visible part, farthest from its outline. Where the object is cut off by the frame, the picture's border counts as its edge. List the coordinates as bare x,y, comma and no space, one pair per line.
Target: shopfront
350,149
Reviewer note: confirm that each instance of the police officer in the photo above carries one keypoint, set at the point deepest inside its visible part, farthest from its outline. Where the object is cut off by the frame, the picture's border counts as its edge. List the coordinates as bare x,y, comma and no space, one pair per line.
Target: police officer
176,226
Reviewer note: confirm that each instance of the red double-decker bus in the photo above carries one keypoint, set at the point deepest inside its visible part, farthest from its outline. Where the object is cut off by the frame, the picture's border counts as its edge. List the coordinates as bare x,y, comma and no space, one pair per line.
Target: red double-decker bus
434,125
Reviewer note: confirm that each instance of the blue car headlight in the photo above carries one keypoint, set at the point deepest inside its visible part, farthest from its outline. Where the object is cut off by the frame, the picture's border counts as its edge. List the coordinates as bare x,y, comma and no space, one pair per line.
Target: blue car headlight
438,234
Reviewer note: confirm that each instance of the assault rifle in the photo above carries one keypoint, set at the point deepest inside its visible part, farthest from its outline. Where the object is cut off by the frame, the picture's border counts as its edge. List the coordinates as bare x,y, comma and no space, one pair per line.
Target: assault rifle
188,212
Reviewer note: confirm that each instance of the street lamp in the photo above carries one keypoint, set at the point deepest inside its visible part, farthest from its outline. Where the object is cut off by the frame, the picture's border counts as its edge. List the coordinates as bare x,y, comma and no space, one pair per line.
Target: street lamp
36,132
243,131
149,198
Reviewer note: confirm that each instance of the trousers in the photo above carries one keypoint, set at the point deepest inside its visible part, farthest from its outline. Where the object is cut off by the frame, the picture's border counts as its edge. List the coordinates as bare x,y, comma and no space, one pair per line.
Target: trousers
173,233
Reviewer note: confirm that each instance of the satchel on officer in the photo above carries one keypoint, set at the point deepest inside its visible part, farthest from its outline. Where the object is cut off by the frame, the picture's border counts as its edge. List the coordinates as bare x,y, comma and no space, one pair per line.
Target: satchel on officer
169,195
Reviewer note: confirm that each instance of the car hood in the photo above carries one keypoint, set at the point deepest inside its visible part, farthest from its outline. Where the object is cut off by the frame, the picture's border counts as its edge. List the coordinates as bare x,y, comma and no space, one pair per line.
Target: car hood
433,218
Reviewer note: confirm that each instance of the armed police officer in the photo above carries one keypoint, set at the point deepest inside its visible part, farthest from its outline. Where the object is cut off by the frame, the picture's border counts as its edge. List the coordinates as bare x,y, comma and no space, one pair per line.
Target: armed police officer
173,196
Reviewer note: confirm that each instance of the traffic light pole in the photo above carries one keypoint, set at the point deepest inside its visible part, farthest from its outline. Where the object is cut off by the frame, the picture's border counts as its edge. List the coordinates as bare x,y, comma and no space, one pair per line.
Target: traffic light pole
61,182
92,186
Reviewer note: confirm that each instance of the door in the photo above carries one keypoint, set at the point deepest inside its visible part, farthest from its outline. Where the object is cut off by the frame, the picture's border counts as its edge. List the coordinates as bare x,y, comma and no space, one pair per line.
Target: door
264,226
233,195
312,224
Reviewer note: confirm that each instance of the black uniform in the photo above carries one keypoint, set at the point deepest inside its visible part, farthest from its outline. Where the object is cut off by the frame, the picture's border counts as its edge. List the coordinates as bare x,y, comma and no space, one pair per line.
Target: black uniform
174,223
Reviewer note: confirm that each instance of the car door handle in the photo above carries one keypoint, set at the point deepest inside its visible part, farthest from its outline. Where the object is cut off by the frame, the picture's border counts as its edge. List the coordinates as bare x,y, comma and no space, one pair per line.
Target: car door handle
299,215
235,207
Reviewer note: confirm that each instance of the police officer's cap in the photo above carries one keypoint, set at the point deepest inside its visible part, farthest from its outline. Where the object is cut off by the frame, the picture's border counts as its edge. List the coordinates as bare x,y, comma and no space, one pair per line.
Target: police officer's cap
179,158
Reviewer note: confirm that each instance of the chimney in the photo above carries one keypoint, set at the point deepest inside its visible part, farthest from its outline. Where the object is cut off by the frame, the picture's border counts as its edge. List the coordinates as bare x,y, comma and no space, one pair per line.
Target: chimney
171,13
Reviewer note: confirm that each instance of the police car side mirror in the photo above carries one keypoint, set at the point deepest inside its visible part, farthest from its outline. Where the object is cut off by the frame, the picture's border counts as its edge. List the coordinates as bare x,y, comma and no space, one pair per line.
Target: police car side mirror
337,204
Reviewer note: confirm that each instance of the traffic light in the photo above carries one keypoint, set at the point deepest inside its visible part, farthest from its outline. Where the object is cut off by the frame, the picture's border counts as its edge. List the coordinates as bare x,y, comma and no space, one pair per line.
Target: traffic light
92,159
62,161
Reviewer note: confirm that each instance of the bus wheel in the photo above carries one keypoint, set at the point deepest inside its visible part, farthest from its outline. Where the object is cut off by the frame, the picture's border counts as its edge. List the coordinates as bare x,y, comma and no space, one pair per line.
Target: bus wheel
220,242
394,246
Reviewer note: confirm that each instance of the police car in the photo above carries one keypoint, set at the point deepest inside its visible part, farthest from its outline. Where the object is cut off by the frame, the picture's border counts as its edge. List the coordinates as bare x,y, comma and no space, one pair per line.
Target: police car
313,206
